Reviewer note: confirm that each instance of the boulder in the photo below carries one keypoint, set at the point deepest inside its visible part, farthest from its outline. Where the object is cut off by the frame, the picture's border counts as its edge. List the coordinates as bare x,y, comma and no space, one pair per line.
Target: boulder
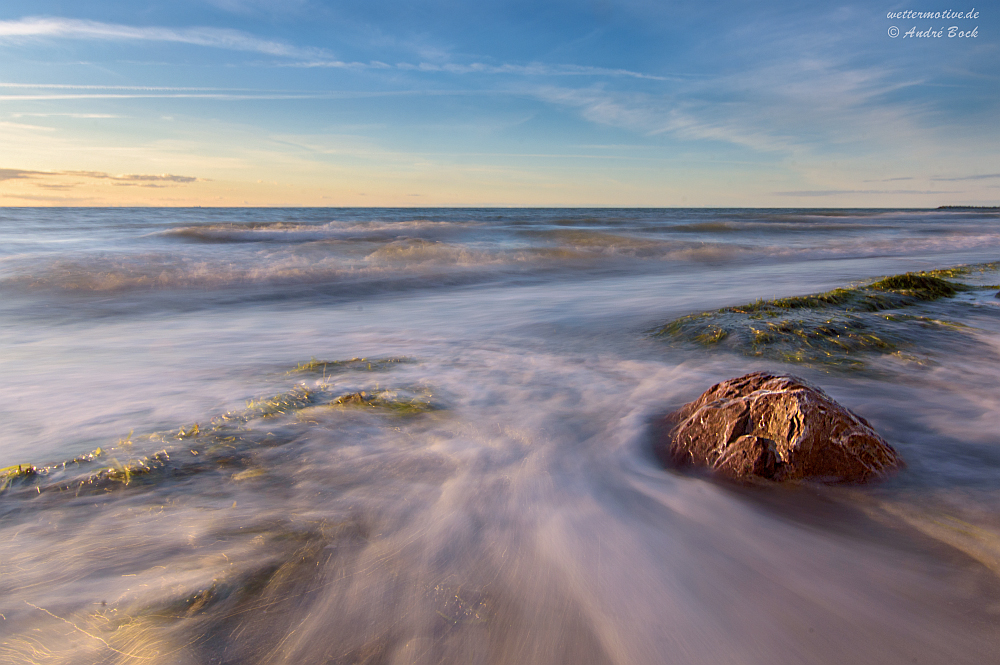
776,427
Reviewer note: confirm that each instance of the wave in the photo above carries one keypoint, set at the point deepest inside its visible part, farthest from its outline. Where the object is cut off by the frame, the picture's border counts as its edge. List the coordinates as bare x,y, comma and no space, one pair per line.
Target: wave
402,261
298,232
341,254
775,227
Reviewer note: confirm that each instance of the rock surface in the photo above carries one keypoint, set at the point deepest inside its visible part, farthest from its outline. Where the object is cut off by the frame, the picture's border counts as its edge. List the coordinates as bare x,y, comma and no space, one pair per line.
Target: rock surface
776,427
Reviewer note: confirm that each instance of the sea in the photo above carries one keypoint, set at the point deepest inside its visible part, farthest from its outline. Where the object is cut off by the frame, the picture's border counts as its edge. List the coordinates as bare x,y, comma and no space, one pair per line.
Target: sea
421,436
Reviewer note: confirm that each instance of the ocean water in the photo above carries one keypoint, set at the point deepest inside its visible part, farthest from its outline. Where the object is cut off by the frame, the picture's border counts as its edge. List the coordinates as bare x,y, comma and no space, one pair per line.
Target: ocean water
201,497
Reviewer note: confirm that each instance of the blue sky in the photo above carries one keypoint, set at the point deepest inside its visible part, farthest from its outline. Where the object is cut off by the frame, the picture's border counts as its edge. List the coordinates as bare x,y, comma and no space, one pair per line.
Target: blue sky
633,103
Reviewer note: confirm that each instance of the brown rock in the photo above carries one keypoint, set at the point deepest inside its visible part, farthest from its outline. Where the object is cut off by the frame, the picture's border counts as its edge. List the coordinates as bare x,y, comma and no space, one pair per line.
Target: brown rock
777,427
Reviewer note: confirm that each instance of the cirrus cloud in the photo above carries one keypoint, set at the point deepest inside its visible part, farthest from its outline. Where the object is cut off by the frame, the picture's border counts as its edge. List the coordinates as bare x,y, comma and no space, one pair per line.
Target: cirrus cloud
67,179
235,40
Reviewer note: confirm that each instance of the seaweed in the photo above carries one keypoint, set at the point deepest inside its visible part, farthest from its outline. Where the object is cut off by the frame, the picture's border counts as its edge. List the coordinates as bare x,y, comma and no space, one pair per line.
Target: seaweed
839,328
297,398
327,367
920,286
14,473
388,400
227,442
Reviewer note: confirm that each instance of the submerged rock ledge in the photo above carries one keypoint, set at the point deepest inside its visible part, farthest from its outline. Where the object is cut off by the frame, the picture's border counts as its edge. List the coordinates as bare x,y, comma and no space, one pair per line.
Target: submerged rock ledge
776,427
838,329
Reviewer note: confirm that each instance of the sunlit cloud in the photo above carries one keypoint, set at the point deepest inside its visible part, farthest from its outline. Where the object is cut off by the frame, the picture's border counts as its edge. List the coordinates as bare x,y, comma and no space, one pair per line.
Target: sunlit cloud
41,198
69,179
20,125
37,27
95,116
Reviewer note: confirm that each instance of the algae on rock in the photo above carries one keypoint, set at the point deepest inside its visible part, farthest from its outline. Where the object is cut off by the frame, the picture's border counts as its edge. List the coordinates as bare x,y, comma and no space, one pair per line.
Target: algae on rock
227,444
835,329
325,367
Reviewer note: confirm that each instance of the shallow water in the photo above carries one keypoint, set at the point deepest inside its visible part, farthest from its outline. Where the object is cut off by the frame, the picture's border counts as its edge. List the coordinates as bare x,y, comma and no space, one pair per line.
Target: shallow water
515,514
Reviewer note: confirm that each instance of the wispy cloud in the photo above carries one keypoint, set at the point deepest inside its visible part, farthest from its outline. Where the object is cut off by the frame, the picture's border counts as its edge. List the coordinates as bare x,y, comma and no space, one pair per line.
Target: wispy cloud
340,64
70,91
73,86
44,178
20,125
56,27
795,107
802,93
274,7
231,97
533,69
35,27
840,192
73,91
684,117
18,174
66,115
49,199
985,176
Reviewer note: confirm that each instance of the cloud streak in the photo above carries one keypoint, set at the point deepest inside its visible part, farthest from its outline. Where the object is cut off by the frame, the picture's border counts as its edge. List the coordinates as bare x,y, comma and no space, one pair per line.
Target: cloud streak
235,40
43,178
533,69
55,27
841,192
985,176
90,116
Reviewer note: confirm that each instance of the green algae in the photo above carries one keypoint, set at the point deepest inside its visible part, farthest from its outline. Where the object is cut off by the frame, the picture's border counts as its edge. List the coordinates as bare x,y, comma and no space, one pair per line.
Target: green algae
226,444
389,400
920,286
17,472
297,398
842,328
889,293
118,473
328,367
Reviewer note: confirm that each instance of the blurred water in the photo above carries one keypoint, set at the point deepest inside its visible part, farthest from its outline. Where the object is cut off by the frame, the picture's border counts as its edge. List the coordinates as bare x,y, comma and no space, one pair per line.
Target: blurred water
523,521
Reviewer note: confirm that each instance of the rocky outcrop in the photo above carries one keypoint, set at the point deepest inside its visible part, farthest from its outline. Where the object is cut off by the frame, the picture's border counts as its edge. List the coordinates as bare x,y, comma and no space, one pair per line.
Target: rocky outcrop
776,427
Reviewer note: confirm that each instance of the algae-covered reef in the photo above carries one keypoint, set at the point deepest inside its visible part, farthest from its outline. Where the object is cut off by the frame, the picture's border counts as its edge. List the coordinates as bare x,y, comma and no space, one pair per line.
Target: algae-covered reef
841,328
229,445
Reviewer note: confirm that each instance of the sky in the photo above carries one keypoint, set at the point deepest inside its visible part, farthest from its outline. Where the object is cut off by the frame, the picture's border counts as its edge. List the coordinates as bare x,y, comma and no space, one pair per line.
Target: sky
623,103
